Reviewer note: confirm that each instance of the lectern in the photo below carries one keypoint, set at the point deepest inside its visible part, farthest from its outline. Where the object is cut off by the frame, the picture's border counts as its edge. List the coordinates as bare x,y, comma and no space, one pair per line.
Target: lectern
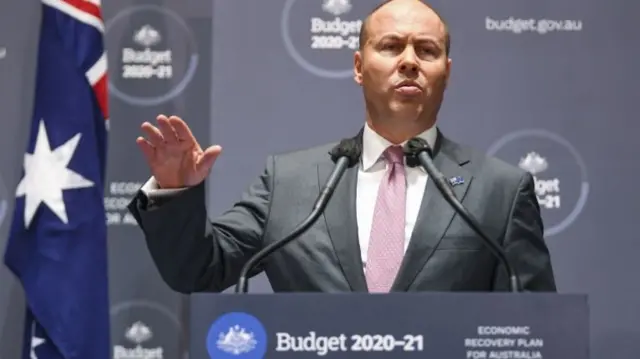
396,325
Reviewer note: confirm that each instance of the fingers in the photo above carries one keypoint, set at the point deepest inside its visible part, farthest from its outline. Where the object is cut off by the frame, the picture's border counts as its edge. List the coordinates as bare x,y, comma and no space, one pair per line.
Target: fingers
166,128
147,149
170,131
182,130
172,134
154,136
207,159
165,133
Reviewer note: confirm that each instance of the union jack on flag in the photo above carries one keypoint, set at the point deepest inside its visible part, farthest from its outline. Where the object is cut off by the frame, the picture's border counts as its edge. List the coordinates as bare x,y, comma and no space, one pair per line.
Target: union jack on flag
57,245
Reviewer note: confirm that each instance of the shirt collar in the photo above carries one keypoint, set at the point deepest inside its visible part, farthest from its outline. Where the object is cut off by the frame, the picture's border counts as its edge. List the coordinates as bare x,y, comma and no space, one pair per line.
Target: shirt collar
373,145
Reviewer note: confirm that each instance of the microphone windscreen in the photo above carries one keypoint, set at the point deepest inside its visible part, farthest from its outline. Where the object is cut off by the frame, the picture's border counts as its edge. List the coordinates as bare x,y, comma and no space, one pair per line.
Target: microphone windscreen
348,147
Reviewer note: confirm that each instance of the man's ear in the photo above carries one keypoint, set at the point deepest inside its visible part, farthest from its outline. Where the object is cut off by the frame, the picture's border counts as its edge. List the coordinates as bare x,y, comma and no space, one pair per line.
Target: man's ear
357,67
448,72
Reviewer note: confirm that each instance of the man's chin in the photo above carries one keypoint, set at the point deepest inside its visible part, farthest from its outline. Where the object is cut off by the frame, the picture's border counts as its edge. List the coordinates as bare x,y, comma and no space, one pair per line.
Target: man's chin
406,107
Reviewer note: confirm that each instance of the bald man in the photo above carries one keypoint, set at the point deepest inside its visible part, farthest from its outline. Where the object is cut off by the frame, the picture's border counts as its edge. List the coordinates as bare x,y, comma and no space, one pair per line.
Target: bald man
386,228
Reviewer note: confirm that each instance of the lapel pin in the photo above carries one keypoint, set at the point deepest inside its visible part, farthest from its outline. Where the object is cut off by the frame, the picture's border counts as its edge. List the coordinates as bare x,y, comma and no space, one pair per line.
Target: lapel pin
456,180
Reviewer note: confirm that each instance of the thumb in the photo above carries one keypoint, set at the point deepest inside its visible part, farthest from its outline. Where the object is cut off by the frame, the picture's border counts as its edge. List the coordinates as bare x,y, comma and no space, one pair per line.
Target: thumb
208,157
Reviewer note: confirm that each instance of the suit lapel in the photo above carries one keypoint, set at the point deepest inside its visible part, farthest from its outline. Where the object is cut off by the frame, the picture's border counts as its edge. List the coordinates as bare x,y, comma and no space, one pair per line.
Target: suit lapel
341,219
434,217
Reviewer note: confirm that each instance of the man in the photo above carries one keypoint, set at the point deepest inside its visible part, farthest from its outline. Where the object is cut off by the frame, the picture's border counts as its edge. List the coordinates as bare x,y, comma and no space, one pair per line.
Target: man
386,228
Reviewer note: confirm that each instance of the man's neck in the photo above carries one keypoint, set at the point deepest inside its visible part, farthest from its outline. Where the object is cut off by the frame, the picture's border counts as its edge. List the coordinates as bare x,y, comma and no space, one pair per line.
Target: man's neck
400,130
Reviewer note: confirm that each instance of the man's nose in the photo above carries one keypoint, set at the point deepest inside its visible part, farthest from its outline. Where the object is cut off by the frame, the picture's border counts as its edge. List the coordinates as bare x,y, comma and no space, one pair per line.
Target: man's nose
409,61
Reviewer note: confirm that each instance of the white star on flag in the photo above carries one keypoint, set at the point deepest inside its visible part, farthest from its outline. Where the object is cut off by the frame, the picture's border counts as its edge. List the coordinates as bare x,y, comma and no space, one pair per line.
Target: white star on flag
35,341
46,175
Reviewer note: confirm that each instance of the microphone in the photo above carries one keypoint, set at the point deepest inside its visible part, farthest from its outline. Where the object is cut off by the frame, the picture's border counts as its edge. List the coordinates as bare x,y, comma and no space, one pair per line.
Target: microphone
346,154
418,153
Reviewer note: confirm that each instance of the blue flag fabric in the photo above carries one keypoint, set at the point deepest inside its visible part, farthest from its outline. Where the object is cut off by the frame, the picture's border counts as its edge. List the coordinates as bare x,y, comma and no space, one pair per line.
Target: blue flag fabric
57,243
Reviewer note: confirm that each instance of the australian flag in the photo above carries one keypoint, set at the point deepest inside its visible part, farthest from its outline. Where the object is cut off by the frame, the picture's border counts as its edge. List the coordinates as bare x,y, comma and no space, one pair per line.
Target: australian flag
57,244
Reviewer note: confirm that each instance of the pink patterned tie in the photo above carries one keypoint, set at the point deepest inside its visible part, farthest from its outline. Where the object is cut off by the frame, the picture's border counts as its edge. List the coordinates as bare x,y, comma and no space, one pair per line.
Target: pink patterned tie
386,245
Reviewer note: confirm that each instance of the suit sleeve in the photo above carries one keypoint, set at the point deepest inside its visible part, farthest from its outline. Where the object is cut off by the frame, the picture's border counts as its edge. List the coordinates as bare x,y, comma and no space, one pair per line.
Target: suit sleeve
524,243
194,254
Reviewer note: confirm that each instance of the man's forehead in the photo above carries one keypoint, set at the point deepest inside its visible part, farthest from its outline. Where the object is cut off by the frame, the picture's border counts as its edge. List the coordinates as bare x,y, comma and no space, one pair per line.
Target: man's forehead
406,17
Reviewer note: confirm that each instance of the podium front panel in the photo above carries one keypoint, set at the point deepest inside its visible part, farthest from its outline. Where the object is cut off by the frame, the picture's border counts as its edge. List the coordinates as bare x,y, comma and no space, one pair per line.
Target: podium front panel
397,325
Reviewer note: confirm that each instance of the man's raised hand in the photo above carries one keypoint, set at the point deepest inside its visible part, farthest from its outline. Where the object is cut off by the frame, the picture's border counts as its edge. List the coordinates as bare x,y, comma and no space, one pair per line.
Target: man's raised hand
173,154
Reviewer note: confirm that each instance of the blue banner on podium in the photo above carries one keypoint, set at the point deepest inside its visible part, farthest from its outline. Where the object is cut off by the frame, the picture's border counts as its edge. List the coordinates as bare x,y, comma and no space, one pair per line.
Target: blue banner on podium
397,325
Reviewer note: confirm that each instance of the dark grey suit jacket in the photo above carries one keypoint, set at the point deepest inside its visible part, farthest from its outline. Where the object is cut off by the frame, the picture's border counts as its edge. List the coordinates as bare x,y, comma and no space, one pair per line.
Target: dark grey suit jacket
194,254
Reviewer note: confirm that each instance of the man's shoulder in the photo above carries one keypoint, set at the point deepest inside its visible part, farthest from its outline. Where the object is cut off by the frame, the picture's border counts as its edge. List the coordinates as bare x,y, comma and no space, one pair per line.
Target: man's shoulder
311,155
298,165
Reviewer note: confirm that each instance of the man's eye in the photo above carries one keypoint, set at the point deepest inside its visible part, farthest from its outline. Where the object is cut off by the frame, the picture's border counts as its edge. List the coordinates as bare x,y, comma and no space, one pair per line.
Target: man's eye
390,46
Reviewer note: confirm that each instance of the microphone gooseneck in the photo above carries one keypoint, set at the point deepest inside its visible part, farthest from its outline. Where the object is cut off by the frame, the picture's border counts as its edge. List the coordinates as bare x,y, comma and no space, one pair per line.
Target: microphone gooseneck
346,154
418,153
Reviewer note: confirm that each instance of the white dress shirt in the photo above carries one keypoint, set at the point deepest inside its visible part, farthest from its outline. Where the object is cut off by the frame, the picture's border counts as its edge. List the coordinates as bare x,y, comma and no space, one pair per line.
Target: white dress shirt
370,174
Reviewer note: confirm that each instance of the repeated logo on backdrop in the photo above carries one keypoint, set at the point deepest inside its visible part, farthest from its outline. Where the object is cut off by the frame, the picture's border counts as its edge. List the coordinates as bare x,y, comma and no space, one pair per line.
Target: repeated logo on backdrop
322,38
155,57
154,53
140,330
559,172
